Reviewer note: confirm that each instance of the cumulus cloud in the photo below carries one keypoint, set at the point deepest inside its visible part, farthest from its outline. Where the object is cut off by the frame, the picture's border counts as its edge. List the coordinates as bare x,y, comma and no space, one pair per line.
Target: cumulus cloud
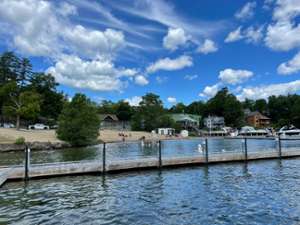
170,64
231,76
210,91
134,101
83,57
172,100
283,33
141,80
208,46
246,12
98,74
269,90
234,35
175,37
190,77
290,67
251,34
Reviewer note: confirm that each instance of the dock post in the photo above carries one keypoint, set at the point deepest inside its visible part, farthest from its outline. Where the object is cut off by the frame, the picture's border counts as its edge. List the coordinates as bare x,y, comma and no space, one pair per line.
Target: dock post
104,158
27,162
246,149
206,151
279,147
159,154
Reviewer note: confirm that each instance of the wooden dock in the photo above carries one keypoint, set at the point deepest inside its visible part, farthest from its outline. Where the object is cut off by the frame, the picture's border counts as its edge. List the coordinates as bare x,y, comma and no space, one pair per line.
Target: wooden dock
88,167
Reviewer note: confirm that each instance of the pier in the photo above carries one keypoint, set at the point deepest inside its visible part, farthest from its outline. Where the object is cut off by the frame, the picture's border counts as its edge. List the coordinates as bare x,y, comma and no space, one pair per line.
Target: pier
100,167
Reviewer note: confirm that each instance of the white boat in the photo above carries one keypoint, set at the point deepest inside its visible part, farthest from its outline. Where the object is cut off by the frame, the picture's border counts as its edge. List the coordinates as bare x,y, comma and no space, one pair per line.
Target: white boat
288,131
251,131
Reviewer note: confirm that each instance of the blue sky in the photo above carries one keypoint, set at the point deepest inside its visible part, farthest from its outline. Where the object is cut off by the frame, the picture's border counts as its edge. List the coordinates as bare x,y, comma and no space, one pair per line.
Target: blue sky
181,50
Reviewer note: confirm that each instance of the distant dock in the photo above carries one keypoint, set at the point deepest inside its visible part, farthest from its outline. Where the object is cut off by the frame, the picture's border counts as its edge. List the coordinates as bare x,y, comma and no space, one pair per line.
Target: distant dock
101,167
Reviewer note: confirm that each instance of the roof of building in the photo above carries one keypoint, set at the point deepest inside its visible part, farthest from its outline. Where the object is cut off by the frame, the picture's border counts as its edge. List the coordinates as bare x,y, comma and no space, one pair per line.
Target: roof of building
111,116
256,113
184,117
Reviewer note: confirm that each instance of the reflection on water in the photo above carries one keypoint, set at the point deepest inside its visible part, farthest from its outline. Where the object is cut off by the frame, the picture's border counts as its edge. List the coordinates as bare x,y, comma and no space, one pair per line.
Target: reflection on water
264,192
171,148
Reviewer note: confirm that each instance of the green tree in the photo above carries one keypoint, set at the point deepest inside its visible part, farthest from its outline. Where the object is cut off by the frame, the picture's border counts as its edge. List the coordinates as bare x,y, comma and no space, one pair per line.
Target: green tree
261,105
79,122
148,113
178,108
123,111
20,104
226,105
52,101
197,108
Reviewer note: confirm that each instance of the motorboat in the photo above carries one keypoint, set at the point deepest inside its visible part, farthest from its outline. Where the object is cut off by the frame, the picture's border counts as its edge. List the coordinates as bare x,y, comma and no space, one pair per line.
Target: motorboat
288,131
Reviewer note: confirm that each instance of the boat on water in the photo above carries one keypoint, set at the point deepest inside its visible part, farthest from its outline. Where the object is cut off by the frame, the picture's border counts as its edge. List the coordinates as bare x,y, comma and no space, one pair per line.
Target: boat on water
289,131
251,131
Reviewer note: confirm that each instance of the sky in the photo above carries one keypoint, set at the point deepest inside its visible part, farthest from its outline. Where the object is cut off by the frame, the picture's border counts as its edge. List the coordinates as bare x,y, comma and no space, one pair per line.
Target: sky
183,51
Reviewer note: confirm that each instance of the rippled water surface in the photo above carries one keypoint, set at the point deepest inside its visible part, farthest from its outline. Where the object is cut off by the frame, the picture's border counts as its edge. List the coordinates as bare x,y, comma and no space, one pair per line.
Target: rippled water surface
264,192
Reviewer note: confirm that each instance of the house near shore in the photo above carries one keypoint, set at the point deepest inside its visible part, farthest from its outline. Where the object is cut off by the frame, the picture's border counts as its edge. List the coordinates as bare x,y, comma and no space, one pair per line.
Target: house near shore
112,122
214,122
187,121
256,119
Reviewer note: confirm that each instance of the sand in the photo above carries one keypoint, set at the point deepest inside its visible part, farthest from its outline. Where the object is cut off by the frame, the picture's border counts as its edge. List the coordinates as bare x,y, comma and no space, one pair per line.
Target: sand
9,135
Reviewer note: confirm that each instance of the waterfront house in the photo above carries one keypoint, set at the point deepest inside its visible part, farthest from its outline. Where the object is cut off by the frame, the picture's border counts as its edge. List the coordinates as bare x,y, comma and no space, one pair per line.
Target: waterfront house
214,122
187,121
256,119
111,122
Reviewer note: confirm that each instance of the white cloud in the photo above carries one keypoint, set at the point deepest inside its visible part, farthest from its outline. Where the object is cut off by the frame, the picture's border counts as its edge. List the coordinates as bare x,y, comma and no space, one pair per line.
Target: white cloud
234,35
254,35
172,100
134,101
98,74
190,77
141,80
284,33
246,12
94,43
164,13
231,76
251,34
176,37
290,67
283,36
269,90
41,28
210,91
170,64
207,47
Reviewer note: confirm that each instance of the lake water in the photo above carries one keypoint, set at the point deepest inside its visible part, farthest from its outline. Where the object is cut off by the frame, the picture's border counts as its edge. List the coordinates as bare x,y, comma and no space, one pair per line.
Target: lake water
263,192
133,150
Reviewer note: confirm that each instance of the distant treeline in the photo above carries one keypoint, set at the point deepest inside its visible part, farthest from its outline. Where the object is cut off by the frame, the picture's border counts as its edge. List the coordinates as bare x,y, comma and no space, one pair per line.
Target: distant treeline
33,96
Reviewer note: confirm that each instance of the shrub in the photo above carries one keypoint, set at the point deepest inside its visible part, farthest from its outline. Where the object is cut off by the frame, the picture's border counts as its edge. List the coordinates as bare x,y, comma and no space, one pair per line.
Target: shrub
20,141
79,122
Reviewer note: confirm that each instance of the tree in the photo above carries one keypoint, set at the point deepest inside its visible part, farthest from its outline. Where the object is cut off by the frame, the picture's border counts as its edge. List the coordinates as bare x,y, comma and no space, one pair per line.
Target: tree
197,108
21,105
79,122
148,113
123,111
226,105
52,101
261,105
178,108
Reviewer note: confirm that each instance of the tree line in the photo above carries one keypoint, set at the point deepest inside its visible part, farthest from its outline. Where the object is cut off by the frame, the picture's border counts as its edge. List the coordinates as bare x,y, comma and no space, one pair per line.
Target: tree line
33,96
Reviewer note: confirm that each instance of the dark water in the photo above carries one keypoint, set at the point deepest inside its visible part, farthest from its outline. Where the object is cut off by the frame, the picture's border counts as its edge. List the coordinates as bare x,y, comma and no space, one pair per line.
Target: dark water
264,192
123,151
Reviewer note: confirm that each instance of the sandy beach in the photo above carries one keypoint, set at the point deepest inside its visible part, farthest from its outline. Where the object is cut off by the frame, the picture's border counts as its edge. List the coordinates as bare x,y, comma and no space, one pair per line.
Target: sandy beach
10,135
